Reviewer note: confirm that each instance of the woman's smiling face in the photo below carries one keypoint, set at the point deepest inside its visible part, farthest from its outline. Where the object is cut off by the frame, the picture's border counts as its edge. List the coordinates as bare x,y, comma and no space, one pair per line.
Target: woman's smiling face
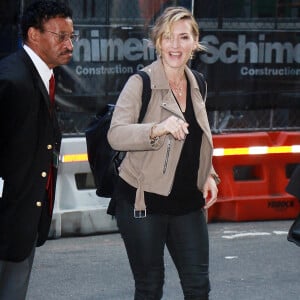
177,45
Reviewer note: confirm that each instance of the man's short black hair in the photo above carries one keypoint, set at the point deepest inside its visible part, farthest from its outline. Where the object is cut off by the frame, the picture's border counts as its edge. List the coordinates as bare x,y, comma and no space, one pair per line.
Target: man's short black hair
40,11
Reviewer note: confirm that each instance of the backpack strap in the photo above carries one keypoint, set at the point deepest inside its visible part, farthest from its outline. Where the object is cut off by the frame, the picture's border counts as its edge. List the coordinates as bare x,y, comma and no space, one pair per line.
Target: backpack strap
201,83
146,95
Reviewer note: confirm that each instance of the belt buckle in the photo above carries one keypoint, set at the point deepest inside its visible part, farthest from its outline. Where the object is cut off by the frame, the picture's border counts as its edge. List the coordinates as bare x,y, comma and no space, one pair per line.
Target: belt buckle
139,214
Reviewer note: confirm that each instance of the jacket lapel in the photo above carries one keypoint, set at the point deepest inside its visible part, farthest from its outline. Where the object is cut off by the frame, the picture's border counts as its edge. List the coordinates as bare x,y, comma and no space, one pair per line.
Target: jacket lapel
36,78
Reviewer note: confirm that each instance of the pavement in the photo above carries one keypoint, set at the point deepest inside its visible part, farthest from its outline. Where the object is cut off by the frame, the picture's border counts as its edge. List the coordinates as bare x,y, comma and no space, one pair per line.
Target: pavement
248,261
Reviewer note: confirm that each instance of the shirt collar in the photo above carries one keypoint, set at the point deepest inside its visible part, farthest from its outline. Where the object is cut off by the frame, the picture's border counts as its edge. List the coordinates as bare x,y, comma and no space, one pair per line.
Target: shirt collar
40,65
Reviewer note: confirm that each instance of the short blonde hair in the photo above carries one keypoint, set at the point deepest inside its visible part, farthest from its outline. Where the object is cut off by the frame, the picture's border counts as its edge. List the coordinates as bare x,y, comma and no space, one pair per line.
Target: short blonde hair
164,24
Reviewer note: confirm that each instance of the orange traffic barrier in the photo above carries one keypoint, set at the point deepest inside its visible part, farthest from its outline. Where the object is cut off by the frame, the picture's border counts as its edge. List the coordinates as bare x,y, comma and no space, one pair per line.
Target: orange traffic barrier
255,169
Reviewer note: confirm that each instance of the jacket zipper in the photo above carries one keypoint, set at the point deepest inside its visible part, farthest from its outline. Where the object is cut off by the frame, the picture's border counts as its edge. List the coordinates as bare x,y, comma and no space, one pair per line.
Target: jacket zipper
169,140
167,156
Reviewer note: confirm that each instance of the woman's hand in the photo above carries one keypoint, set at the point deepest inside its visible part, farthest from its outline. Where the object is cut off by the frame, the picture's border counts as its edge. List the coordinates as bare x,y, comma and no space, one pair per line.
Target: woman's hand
173,125
210,192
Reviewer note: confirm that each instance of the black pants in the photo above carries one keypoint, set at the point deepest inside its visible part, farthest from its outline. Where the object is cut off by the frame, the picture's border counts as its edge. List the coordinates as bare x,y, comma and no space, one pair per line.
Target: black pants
186,238
14,278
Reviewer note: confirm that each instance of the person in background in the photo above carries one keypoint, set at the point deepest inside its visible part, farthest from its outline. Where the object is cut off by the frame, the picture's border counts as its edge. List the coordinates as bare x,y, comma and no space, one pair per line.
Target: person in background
30,140
166,181
293,188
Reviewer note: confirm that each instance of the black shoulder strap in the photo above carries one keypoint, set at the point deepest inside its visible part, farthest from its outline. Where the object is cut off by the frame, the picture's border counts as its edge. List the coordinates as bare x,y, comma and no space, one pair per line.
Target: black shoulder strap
146,95
201,83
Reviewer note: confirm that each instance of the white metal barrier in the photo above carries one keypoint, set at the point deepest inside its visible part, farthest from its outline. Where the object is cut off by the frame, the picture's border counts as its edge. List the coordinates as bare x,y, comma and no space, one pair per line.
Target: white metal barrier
77,211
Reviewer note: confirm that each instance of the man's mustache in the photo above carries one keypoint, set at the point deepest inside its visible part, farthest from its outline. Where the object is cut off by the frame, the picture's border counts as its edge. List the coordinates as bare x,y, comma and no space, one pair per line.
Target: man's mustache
67,52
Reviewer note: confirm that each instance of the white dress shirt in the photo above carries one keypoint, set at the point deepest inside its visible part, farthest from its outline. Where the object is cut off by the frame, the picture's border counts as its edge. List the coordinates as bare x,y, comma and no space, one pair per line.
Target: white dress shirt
40,65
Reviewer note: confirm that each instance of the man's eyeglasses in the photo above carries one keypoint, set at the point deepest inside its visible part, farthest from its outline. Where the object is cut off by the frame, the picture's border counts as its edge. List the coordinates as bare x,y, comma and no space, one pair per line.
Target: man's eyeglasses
63,37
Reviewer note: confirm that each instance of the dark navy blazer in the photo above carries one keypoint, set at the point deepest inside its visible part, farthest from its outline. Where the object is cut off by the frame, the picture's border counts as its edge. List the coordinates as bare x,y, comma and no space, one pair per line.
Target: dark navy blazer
29,133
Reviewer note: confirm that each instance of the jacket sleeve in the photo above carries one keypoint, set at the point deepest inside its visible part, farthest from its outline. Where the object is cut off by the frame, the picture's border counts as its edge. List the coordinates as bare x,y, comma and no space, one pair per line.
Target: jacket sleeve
125,133
293,186
5,120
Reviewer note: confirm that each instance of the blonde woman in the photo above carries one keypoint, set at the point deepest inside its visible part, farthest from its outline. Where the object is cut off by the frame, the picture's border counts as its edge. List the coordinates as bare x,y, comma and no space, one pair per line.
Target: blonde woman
166,179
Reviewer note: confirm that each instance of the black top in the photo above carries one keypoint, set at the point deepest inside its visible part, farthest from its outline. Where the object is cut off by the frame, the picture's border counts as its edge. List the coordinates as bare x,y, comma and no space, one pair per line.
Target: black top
185,196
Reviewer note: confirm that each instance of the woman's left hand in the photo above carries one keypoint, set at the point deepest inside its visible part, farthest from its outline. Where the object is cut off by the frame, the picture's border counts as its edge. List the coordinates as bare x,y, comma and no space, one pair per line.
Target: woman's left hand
210,192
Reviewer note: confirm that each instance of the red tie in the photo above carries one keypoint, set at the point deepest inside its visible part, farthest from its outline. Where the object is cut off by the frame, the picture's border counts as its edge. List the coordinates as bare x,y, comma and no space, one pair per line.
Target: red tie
49,185
52,88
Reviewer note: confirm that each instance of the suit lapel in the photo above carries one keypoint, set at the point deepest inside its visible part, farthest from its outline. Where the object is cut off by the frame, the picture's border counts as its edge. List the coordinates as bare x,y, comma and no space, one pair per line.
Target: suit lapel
36,78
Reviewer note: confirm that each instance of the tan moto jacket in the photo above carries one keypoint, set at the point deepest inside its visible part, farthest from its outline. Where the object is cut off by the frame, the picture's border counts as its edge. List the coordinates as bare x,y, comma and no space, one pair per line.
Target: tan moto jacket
150,166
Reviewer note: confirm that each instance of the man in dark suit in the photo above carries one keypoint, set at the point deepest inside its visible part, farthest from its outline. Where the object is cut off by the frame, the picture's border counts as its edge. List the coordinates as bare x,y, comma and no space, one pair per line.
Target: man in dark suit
30,140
